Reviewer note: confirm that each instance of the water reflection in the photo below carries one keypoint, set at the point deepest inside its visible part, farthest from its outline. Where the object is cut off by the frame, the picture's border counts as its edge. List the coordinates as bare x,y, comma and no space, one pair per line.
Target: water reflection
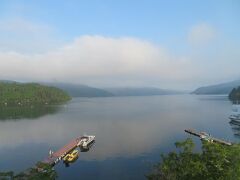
113,137
127,129
11,113
235,125
235,119
123,126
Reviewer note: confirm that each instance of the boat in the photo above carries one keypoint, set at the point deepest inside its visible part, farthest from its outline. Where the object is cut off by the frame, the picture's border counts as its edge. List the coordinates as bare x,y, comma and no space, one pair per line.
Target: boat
86,141
205,136
235,115
71,157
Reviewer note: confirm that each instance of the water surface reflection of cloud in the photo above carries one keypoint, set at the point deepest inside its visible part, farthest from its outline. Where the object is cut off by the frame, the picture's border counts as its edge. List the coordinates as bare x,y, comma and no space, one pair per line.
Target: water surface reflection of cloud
123,127
112,138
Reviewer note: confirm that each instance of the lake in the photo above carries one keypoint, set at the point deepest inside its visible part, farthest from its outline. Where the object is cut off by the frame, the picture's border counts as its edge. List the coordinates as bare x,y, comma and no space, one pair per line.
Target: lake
131,132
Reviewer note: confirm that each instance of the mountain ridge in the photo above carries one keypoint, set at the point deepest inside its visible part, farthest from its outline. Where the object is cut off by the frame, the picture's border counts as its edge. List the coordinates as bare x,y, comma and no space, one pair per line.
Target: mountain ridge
80,90
222,88
141,91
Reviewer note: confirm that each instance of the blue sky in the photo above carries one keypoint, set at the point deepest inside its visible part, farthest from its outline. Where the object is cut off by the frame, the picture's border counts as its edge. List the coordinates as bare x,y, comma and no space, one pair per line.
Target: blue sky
157,21
176,35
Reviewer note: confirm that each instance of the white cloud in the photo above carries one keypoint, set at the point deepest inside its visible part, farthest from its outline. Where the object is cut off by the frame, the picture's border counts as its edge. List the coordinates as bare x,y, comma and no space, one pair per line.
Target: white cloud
106,61
96,59
201,34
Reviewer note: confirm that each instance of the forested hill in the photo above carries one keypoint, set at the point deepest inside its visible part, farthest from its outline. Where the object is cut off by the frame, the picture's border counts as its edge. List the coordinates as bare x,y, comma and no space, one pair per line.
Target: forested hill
79,90
235,94
27,94
224,88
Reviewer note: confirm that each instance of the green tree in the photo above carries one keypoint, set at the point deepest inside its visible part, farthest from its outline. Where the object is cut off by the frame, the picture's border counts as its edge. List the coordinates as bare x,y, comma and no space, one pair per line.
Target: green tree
42,171
234,95
214,162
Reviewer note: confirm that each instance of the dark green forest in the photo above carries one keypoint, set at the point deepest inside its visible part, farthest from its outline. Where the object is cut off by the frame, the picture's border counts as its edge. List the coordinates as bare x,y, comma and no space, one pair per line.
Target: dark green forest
235,94
30,94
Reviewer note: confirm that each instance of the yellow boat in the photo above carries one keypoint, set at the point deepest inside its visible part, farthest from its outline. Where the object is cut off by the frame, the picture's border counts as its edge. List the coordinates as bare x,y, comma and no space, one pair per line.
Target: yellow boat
71,157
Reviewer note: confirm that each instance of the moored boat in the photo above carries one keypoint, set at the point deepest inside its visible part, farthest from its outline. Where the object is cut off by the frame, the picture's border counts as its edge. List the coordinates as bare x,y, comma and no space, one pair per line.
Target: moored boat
205,136
86,141
71,157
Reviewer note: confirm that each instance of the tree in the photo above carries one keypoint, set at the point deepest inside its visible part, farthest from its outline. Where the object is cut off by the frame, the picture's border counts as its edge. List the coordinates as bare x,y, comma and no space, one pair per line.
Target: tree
30,94
234,95
42,171
215,161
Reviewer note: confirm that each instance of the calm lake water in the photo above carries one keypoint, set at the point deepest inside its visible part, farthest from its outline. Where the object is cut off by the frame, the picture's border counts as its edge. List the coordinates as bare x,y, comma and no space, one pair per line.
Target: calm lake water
131,132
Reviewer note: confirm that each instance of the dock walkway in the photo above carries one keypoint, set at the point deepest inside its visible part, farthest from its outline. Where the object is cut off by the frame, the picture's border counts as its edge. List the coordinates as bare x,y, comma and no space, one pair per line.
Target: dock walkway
57,156
205,136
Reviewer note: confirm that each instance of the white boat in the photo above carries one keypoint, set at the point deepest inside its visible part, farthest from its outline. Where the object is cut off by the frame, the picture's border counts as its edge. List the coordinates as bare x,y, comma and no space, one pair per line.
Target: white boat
86,141
235,115
205,136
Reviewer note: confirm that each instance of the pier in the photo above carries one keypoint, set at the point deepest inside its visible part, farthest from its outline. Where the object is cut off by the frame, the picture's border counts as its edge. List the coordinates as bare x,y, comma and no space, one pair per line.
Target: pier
207,137
82,142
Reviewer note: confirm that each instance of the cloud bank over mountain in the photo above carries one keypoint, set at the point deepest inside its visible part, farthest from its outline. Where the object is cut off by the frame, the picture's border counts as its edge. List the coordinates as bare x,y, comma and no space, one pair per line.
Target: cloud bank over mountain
91,58
32,52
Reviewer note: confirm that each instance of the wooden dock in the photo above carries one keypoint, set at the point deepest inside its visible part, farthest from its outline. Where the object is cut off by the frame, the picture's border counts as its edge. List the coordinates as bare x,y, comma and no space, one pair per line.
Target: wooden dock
57,156
208,137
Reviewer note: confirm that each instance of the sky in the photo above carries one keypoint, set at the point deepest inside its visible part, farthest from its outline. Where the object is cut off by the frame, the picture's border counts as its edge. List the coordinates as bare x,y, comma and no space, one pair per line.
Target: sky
168,44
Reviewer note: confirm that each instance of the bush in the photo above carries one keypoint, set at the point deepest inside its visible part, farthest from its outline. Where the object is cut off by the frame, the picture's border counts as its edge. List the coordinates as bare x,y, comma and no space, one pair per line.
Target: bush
215,161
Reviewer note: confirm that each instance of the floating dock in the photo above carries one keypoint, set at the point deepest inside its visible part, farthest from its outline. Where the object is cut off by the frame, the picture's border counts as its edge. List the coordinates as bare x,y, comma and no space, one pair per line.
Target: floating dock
82,142
207,137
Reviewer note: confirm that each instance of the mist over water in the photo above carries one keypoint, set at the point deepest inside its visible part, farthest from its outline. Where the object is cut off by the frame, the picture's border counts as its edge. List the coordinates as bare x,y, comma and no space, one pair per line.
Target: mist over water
131,133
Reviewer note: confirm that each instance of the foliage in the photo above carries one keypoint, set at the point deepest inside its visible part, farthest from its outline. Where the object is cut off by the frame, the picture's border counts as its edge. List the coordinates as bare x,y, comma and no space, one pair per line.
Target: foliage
235,94
30,94
42,171
215,161
6,175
